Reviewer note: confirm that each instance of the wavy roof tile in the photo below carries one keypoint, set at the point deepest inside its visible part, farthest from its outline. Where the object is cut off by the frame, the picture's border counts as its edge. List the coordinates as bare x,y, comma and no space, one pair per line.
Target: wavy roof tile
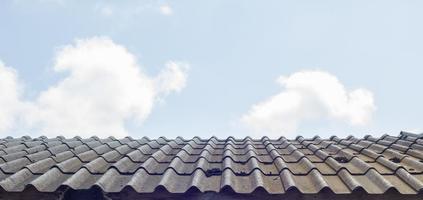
281,167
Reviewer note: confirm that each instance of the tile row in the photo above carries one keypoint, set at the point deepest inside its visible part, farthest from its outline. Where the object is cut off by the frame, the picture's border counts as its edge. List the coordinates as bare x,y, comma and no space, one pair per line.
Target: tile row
143,182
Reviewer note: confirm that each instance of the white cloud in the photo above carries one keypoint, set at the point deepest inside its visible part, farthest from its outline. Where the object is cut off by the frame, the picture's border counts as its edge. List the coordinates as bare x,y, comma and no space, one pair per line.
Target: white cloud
9,97
104,89
165,9
173,77
309,95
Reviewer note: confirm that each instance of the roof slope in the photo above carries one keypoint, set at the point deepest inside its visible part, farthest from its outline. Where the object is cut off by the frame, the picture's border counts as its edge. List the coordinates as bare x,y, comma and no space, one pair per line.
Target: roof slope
307,166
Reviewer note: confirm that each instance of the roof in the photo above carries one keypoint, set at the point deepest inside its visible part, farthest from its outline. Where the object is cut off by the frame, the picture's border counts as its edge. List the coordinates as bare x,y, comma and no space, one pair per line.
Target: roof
302,166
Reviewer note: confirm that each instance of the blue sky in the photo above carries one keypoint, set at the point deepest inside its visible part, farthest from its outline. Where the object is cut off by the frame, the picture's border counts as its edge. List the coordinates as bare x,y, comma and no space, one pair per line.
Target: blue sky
231,55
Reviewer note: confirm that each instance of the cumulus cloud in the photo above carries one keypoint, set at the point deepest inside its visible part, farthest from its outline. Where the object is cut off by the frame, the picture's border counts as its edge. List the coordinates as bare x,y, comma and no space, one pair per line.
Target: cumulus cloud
10,103
104,88
173,77
309,95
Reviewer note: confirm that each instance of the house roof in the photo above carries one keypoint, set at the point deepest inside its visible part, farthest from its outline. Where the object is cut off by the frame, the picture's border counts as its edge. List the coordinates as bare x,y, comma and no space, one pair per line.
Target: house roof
369,165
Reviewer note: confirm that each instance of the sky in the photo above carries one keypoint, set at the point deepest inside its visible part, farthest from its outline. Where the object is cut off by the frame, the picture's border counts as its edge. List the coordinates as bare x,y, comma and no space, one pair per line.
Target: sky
202,68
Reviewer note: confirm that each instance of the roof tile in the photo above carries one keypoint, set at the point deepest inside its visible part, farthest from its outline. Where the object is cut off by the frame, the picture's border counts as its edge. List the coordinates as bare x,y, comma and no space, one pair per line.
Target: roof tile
306,165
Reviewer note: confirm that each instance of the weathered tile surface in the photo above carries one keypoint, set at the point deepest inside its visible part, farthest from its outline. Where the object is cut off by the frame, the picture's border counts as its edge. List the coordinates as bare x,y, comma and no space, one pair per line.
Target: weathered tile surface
374,165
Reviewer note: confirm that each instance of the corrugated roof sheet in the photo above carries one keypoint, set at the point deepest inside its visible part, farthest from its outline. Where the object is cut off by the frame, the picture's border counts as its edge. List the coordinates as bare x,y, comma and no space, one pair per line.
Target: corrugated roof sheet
277,166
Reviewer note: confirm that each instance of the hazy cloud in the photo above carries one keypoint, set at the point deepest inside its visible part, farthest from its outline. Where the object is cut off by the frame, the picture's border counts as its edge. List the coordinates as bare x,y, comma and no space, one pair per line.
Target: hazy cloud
131,9
106,11
165,9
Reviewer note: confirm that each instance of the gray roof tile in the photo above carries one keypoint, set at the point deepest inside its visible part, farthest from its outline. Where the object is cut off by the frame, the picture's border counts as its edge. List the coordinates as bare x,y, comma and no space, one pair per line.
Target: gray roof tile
306,165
